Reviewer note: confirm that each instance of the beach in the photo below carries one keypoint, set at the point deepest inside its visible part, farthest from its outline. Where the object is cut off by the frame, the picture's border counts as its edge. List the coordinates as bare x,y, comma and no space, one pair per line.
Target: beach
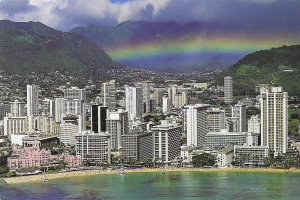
38,178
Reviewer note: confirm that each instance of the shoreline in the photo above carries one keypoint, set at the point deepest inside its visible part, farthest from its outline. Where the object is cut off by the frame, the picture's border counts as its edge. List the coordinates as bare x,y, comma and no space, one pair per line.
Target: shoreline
38,178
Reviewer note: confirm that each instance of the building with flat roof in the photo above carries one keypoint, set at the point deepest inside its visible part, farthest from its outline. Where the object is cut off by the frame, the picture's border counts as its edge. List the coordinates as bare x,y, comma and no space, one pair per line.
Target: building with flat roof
134,101
250,155
166,142
228,89
94,147
196,124
137,146
223,139
274,119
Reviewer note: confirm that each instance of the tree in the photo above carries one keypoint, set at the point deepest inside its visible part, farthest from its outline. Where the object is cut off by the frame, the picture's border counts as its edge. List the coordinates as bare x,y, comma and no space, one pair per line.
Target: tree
294,115
204,159
3,170
252,111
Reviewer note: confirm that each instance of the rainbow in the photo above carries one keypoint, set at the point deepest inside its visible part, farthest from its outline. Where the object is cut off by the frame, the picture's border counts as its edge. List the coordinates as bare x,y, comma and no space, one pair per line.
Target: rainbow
196,45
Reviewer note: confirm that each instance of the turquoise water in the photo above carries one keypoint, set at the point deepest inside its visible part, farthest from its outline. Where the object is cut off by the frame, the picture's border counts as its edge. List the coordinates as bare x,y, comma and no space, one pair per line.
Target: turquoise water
172,185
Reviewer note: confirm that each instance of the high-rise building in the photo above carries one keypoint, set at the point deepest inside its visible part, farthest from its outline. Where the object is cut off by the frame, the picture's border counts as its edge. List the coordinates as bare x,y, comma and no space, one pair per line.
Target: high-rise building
137,146
254,124
215,119
4,110
75,100
17,109
15,125
98,118
239,112
158,94
108,92
228,89
117,125
274,119
32,100
146,95
196,124
166,104
134,101
94,147
59,109
166,142
68,130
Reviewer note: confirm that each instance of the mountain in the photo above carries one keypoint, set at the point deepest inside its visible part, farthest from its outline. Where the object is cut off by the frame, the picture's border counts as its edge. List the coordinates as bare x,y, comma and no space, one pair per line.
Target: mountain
166,45
276,66
27,47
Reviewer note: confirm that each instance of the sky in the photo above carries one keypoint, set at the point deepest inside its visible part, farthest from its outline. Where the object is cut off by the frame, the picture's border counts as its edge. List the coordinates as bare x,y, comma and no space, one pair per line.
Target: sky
261,15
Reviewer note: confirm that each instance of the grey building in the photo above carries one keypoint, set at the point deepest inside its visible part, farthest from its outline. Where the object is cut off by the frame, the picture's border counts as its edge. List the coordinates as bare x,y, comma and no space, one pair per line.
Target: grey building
166,142
94,147
251,155
224,139
137,146
116,126
228,89
239,112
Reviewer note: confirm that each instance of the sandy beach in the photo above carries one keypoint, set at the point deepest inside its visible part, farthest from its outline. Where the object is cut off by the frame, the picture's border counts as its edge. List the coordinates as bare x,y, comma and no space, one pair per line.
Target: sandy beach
38,178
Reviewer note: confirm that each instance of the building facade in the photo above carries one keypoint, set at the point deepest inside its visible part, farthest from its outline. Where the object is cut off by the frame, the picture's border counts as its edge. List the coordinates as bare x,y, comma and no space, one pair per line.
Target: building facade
94,147
228,89
274,119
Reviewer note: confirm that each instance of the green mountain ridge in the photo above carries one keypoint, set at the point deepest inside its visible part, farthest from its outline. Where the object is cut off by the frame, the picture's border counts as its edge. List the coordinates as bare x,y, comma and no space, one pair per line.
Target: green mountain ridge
27,47
276,66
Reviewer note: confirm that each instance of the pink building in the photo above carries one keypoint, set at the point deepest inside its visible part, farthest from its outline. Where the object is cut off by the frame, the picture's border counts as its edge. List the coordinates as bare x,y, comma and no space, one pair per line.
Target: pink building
28,157
73,161
34,156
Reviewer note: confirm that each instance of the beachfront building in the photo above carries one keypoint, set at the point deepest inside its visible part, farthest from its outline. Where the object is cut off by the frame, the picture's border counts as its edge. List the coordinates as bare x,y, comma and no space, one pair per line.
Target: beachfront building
137,146
251,155
274,119
72,160
68,130
166,141
195,124
94,147
223,139
117,125
35,156
224,157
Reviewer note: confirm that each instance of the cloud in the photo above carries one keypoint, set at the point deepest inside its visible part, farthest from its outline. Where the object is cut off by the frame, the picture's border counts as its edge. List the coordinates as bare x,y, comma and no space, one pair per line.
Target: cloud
65,14
11,7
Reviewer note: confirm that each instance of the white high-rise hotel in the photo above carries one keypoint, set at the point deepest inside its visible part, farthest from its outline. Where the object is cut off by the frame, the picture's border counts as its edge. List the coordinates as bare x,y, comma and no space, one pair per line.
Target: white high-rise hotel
274,119
228,89
108,90
32,100
134,101
196,124
75,99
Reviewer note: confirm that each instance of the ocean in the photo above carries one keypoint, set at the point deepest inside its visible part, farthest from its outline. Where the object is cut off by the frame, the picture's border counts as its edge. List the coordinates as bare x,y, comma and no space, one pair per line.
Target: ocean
171,185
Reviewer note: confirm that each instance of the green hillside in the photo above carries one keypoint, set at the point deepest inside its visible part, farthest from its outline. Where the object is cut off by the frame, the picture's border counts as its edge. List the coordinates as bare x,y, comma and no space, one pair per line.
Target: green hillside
33,47
277,67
